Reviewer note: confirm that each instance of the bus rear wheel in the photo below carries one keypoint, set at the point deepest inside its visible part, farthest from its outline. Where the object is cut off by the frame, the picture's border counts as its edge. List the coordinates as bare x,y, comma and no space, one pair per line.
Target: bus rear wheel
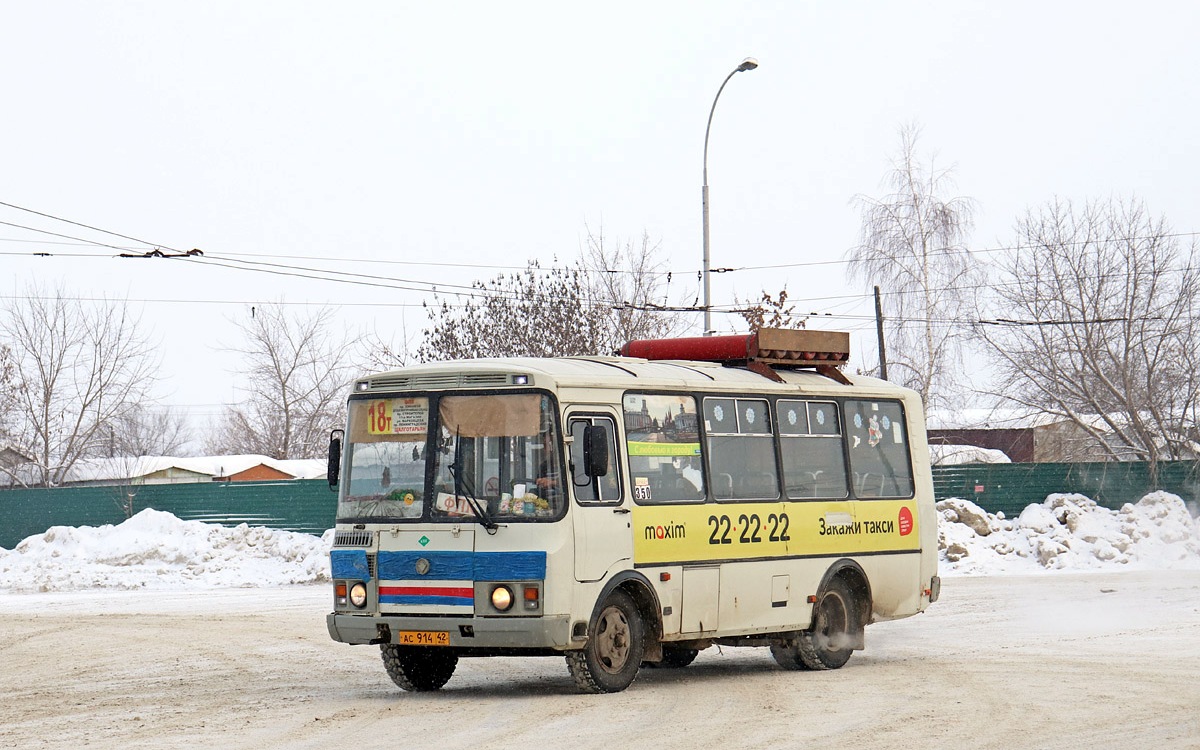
616,641
418,668
830,642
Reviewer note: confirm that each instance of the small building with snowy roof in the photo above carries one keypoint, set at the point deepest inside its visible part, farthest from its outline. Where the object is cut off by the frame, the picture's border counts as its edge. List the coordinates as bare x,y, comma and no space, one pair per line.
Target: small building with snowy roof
145,470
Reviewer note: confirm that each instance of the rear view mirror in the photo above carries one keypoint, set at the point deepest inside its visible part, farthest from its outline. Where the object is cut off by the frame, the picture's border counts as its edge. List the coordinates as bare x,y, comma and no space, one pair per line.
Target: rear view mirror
595,450
333,469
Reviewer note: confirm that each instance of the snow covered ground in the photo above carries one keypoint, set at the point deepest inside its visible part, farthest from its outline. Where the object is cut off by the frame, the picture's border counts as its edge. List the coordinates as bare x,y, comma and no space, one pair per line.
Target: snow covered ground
156,550
162,633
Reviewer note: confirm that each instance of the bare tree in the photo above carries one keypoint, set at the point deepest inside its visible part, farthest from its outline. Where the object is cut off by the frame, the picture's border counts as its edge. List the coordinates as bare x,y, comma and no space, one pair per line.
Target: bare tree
1097,323
295,376
8,394
913,246
772,312
151,432
628,281
78,369
386,351
607,297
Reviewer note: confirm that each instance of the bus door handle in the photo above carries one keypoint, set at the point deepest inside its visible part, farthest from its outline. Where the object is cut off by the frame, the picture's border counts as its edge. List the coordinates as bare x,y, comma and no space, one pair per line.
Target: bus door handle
621,510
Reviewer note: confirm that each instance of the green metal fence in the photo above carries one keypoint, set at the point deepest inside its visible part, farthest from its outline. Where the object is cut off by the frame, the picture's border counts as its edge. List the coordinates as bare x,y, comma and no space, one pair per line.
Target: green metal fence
308,505
300,505
1011,487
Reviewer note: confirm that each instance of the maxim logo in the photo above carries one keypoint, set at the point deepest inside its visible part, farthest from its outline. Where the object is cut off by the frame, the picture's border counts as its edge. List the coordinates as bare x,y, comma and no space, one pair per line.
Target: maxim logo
669,531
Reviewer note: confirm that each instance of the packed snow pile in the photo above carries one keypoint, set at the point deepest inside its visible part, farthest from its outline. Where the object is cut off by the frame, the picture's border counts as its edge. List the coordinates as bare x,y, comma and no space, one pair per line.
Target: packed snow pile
1068,532
157,550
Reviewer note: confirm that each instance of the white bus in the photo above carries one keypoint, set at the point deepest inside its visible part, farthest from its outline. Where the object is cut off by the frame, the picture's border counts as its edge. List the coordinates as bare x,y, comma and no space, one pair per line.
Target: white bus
630,511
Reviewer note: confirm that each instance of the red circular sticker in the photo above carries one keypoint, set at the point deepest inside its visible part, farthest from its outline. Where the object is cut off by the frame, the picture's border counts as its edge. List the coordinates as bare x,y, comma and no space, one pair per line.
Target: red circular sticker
906,521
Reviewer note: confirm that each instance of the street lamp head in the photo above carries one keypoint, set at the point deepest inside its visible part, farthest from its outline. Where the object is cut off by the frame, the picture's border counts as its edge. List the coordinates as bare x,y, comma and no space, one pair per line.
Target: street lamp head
748,64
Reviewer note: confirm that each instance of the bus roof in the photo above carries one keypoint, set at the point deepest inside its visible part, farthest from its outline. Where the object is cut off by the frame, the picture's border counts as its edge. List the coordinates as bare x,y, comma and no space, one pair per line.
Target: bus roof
625,373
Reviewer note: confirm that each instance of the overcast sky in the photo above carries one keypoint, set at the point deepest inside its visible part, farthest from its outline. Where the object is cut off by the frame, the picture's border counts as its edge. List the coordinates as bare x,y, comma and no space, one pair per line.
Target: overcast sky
465,137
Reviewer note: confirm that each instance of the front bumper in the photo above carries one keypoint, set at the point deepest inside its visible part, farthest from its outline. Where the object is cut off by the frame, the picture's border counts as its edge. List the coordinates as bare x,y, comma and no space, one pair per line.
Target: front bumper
553,632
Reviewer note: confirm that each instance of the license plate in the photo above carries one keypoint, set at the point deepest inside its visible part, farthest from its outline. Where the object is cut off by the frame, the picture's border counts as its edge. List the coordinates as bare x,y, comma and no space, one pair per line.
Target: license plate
424,638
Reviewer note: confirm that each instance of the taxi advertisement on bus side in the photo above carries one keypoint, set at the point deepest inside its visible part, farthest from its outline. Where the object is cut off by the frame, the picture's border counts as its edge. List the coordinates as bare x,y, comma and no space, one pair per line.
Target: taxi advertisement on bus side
671,534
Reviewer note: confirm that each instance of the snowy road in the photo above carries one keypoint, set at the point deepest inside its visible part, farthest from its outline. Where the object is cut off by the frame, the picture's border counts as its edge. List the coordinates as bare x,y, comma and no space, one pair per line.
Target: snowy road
1097,660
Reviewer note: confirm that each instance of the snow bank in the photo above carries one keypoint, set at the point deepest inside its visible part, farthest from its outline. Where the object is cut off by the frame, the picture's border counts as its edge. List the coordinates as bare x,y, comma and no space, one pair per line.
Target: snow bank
1068,532
157,550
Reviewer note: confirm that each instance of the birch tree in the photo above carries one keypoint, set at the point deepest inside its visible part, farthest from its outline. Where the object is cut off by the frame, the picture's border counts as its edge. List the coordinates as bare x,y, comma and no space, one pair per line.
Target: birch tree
1095,322
913,246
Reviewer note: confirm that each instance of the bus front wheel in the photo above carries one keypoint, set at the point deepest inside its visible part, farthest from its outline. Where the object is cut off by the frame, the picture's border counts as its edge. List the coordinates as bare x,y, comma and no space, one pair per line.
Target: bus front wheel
830,642
616,641
418,668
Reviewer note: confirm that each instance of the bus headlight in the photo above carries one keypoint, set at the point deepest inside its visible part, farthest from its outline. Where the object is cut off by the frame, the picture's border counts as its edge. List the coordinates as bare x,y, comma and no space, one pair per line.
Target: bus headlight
502,598
358,595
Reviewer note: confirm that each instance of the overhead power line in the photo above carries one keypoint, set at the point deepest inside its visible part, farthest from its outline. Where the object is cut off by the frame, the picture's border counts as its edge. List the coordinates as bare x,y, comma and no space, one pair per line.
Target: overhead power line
722,270
85,226
479,290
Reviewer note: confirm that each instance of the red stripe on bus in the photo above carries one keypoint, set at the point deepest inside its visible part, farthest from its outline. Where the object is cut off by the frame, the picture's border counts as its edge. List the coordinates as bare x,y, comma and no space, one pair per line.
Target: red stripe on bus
426,591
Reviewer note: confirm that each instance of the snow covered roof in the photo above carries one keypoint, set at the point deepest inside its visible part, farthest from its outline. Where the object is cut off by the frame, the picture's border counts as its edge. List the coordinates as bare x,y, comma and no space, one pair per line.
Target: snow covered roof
121,468
953,455
304,468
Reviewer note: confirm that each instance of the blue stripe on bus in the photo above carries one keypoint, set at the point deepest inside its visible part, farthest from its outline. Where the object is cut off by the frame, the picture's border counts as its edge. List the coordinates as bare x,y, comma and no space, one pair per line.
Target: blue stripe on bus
463,566
349,564
413,599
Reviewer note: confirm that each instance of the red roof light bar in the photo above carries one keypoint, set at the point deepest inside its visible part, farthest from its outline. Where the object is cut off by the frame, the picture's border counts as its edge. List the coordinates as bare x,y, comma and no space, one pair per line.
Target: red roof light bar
769,345
779,347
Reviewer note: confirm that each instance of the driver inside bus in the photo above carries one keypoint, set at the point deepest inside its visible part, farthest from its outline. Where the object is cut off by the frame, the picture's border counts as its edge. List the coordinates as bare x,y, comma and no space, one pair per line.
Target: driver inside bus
689,472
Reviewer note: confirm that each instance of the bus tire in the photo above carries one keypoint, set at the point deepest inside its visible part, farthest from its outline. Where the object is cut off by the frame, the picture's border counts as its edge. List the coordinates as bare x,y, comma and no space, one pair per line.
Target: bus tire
616,641
674,657
830,642
418,668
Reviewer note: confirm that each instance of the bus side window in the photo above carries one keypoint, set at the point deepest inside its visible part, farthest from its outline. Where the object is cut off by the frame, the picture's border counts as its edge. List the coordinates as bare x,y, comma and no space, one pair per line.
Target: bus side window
878,446
741,448
810,441
662,442
601,489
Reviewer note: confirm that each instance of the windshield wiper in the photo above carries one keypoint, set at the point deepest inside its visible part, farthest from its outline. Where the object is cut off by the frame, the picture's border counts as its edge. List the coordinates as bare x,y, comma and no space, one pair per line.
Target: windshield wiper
460,490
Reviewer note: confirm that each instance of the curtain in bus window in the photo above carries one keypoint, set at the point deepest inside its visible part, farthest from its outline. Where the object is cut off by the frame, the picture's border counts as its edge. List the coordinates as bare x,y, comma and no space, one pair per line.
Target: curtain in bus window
878,447
662,440
491,416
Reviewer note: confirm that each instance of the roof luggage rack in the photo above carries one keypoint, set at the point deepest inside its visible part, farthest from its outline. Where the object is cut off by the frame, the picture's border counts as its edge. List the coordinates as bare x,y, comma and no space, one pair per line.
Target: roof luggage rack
760,352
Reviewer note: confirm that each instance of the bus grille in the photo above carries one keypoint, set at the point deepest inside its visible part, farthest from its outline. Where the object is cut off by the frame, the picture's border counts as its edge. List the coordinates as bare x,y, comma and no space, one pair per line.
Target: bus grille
436,382
352,539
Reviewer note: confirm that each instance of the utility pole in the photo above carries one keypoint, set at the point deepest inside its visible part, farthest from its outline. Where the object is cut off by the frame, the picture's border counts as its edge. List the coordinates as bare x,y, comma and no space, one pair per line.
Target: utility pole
879,335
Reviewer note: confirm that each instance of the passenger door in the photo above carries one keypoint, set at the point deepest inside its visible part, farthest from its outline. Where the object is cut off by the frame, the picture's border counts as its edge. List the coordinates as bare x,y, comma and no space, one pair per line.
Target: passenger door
600,511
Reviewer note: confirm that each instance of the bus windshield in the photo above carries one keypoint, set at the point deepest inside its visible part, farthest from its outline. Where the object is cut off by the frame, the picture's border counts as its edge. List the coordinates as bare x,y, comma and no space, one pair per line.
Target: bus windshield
441,458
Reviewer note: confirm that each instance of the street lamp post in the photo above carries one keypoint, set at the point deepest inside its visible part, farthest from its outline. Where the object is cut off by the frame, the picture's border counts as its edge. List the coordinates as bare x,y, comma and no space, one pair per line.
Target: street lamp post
748,64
